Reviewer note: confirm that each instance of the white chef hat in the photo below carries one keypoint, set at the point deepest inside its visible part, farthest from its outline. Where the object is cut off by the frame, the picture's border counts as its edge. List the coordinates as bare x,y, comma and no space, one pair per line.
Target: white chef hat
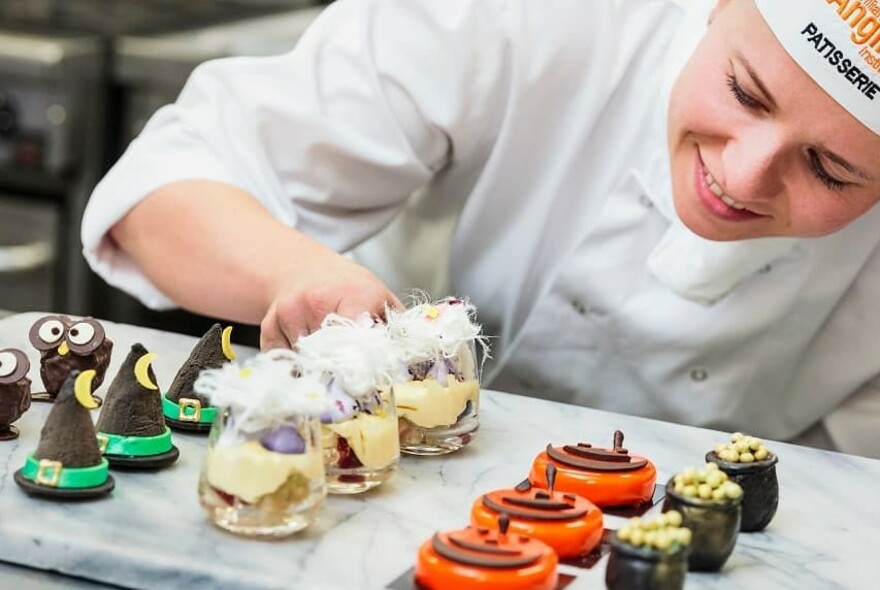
837,42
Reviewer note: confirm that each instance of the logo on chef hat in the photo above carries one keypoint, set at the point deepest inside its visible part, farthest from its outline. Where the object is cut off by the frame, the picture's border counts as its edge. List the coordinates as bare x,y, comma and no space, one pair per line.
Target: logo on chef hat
837,42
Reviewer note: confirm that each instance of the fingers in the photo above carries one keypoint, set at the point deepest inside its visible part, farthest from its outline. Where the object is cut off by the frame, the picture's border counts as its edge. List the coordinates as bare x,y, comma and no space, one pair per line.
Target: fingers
299,311
271,335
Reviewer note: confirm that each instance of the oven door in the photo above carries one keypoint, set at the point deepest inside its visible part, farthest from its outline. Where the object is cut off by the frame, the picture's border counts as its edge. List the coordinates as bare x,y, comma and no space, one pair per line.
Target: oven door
28,234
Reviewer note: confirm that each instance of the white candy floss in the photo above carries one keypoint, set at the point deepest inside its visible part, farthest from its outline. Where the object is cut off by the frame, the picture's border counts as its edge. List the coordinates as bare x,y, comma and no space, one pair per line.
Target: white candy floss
263,392
434,330
358,354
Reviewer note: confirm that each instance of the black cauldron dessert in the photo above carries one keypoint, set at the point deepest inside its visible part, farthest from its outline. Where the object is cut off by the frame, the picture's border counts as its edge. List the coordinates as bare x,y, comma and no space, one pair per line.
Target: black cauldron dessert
748,462
711,506
649,554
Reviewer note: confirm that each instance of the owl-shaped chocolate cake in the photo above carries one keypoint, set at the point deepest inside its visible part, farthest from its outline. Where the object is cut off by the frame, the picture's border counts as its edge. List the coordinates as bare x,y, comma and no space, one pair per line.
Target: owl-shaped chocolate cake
15,390
66,345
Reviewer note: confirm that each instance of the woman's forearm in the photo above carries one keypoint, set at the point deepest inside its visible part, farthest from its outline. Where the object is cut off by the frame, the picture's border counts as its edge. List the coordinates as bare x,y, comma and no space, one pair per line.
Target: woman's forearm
212,248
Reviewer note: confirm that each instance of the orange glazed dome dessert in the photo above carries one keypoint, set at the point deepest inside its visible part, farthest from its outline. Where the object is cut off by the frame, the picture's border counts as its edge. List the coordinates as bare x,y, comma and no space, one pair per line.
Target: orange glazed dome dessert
568,523
606,477
478,557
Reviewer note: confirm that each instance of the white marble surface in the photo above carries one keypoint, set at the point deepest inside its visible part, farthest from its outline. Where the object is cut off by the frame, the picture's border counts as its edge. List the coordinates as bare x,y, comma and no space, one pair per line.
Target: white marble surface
150,533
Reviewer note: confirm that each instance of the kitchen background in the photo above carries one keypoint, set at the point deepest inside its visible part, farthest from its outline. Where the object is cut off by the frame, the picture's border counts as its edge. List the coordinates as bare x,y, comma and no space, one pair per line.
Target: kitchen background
78,80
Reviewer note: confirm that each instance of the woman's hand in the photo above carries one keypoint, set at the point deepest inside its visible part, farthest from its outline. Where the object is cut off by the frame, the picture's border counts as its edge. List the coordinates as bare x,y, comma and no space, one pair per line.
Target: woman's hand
326,283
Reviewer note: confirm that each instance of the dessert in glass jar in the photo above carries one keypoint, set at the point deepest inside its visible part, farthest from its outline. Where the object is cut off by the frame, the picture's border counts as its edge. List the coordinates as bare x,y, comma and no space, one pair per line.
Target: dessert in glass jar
438,391
355,360
263,474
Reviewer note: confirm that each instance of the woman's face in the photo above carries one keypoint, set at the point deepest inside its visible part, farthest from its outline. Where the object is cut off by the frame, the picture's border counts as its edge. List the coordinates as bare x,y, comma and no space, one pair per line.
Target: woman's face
757,148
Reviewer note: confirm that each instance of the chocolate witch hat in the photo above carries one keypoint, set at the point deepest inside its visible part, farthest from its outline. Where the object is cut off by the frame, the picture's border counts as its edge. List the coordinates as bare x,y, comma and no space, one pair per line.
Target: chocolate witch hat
131,427
67,463
184,409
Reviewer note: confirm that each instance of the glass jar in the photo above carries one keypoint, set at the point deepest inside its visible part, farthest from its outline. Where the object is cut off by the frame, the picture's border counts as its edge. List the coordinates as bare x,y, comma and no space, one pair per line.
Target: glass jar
359,438
268,484
439,407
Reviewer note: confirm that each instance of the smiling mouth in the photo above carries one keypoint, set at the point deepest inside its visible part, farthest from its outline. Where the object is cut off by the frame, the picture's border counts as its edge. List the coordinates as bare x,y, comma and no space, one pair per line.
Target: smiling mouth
719,192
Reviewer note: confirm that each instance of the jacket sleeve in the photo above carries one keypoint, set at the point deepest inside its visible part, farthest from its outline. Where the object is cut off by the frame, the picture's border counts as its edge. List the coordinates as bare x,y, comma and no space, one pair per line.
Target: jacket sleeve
332,137
854,425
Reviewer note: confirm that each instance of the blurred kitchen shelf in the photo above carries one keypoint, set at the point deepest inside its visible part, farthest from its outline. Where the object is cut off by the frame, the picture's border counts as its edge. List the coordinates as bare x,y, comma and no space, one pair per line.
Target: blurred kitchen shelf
34,182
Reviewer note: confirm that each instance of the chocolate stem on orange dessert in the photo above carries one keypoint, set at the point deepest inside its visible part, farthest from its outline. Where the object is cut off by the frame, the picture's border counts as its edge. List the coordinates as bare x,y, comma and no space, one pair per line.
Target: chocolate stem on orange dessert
550,473
503,523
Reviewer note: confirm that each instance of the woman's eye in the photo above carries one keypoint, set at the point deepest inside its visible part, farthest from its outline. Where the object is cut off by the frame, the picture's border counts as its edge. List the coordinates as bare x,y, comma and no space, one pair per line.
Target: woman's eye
741,95
819,172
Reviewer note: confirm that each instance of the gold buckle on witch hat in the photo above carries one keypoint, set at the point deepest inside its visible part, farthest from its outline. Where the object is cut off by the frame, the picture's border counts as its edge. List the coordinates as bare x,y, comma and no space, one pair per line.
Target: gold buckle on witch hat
54,473
188,403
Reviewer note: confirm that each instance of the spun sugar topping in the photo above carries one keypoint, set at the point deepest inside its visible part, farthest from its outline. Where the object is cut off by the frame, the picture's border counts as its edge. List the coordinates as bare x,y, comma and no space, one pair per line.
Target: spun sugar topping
358,354
263,392
434,329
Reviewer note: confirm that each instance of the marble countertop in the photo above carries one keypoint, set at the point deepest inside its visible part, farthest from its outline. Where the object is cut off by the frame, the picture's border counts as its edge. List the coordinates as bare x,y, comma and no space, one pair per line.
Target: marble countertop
151,533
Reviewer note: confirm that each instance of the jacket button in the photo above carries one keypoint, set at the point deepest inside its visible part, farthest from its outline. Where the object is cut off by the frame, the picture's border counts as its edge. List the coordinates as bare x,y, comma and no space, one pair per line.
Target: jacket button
645,202
766,268
580,306
699,375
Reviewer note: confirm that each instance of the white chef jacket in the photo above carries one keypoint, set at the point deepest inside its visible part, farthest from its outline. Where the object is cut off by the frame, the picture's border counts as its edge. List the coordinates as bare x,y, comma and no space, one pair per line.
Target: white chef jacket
528,136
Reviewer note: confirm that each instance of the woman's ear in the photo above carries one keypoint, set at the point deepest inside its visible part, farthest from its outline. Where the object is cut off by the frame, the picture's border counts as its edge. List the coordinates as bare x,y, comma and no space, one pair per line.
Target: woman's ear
719,6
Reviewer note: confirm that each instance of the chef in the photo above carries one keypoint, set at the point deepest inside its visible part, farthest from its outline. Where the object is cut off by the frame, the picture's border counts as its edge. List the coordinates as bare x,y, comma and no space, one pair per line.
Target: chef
660,208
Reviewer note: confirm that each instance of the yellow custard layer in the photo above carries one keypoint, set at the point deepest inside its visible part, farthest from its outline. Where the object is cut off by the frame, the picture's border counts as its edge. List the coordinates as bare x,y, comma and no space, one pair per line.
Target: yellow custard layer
429,404
372,438
250,471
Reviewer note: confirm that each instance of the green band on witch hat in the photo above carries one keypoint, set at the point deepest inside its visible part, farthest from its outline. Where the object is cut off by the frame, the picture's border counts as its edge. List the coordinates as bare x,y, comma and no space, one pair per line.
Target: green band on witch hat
54,474
188,410
134,446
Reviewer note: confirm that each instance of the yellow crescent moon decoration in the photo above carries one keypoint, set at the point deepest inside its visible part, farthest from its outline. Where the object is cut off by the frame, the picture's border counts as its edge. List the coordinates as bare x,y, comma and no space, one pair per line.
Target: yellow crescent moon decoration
82,389
227,344
142,371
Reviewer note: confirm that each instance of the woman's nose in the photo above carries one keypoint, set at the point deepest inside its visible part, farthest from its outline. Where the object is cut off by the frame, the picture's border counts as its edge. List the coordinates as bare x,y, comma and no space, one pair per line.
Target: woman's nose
752,165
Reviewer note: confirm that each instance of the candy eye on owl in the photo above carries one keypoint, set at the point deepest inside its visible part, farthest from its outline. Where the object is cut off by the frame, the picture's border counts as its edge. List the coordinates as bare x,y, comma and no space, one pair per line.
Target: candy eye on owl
14,365
81,333
8,363
85,336
47,332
